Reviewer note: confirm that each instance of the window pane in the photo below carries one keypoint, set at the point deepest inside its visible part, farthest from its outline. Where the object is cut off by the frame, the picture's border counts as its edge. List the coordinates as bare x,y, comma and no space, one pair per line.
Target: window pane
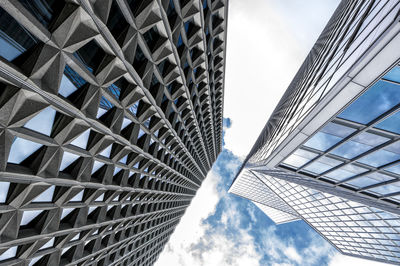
394,169
387,189
14,39
300,157
359,144
338,130
322,141
345,172
392,123
380,97
379,158
371,179
323,164
351,149
393,75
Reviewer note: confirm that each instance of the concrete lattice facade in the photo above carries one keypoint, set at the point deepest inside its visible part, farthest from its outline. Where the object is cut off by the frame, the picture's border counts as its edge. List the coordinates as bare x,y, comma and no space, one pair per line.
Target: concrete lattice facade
111,117
330,152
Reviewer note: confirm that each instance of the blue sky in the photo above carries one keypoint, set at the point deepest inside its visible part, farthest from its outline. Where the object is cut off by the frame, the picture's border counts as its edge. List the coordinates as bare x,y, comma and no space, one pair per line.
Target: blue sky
220,228
267,42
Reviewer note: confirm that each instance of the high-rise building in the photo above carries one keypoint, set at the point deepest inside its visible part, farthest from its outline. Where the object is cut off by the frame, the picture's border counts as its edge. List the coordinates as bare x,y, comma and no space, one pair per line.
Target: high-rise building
330,152
110,119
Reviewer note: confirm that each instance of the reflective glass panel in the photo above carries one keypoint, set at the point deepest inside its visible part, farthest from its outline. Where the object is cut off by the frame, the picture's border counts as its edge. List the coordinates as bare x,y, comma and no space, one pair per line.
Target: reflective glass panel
300,157
382,96
379,158
322,141
394,169
393,75
358,145
386,189
345,172
329,135
338,130
370,179
392,123
322,164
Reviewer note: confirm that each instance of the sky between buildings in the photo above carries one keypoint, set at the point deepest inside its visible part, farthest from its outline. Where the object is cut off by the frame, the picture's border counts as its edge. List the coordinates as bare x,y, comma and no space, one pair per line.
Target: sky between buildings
267,42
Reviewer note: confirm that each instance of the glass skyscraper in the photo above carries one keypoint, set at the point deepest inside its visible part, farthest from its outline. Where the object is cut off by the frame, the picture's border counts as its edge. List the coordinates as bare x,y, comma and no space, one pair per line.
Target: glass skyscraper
330,152
110,119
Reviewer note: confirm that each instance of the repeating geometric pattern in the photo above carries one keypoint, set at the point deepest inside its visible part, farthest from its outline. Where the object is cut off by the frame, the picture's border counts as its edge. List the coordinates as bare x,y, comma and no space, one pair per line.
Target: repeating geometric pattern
354,228
344,40
331,155
251,187
111,117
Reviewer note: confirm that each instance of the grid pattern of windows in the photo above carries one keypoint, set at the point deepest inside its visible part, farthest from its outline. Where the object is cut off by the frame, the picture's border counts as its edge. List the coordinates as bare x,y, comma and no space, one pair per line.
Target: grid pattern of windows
111,117
352,227
359,149
250,186
279,217
354,27
331,149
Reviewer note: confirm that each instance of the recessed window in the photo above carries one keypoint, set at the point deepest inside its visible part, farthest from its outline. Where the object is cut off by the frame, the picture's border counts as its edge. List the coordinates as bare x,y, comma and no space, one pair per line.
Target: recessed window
100,198
9,253
76,237
106,152
125,122
114,90
43,10
22,149
116,170
42,122
65,212
134,108
96,166
141,133
4,186
91,55
67,160
77,197
82,140
70,82
116,22
48,244
124,159
28,216
34,260
45,196
14,39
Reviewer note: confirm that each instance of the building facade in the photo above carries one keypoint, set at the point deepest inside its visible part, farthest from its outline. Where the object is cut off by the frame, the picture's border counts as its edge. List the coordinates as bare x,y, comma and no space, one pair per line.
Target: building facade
330,152
111,117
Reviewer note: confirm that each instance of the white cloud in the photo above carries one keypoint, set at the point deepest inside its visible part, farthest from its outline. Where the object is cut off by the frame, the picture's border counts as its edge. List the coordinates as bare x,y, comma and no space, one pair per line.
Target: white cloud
191,244
230,240
267,42
343,260
265,49
292,254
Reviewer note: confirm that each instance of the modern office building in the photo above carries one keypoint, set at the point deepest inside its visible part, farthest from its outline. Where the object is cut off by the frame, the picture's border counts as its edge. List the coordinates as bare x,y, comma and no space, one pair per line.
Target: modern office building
110,119
330,152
